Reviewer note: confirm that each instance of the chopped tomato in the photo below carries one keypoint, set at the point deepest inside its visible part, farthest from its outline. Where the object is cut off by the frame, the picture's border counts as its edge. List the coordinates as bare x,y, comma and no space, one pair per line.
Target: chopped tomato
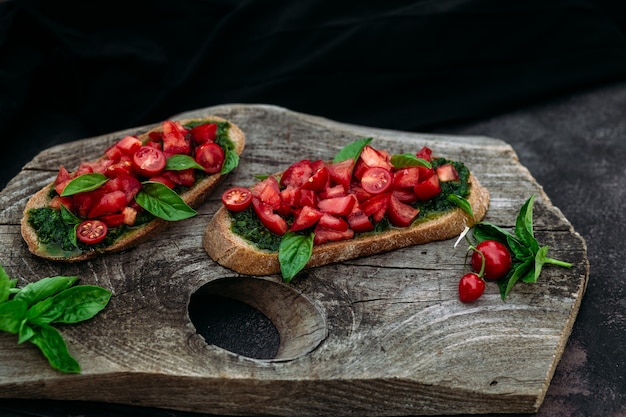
271,220
359,221
268,191
376,180
290,196
306,217
58,201
341,172
91,231
428,188
163,180
83,202
149,161
297,174
406,177
113,220
128,145
211,156
307,198
375,158
425,153
237,198
204,133
334,191
340,206
376,206
113,152
184,177
174,140
406,195
318,181
124,166
61,180
323,235
109,203
328,221
447,172
399,213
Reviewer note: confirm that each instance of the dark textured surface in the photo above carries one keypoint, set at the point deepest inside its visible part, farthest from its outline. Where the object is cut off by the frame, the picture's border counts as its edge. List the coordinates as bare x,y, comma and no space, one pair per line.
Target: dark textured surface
554,91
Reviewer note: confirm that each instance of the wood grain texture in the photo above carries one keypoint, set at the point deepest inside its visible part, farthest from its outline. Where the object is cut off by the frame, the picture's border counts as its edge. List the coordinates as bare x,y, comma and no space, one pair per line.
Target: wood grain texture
388,334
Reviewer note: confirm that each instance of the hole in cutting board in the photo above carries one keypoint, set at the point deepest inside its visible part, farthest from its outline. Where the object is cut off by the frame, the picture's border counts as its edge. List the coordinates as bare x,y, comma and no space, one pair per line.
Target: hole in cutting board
256,318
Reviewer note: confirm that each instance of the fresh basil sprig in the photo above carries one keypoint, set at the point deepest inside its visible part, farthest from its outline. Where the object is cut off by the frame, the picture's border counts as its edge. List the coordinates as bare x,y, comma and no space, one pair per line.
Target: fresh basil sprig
528,256
84,182
405,160
163,202
29,312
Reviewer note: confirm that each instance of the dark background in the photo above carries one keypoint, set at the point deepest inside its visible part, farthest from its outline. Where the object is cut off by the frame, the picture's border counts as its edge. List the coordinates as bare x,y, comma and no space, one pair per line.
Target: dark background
547,76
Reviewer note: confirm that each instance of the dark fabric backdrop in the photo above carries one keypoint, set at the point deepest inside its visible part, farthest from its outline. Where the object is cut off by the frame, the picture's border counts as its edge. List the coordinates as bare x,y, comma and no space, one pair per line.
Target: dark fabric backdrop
70,70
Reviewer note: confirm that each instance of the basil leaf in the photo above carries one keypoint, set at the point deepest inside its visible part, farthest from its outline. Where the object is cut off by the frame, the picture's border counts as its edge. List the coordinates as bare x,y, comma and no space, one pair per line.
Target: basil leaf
524,225
408,160
46,287
507,284
12,315
42,312
521,251
293,253
25,333
462,203
162,202
53,347
180,162
352,150
5,285
82,183
69,217
231,161
488,231
80,303
540,259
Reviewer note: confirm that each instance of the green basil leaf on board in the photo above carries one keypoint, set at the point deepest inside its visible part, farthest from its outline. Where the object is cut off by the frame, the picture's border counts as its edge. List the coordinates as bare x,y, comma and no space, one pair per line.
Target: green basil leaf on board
29,312
85,182
161,201
462,203
293,254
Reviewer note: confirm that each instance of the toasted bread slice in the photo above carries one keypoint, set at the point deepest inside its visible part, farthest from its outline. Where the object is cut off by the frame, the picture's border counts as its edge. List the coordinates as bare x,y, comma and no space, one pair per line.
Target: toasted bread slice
194,196
232,251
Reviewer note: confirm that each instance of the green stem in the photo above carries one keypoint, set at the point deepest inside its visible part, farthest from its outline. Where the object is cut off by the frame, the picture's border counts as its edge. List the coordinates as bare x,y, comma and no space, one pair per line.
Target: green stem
558,263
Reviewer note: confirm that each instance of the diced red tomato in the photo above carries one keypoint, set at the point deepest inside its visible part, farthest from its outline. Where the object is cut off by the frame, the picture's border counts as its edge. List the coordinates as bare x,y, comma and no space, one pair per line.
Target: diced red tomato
158,145
128,145
184,177
113,152
427,189
61,180
204,133
124,166
406,177
334,191
376,180
83,202
163,180
341,172
174,139
290,196
149,161
306,217
399,213
405,195
128,184
271,220
425,153
113,220
268,191
109,203
211,156
376,206
307,198
447,172
340,206
323,235
318,180
375,158
359,221
297,173
328,221
58,201
237,198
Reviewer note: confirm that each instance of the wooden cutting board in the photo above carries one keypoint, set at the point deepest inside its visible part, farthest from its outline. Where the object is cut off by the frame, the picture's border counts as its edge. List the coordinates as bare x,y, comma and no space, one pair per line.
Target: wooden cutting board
382,335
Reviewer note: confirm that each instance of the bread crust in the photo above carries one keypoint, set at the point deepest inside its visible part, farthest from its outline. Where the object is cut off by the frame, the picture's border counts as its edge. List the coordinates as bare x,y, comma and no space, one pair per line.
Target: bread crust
233,252
194,196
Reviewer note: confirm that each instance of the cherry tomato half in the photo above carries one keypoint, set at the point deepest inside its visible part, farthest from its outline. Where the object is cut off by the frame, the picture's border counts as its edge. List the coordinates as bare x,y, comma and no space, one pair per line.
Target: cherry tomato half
211,156
376,180
91,231
497,259
149,161
237,198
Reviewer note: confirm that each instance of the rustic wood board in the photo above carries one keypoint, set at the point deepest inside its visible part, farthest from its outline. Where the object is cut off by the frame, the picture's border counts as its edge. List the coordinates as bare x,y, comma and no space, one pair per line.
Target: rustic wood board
382,335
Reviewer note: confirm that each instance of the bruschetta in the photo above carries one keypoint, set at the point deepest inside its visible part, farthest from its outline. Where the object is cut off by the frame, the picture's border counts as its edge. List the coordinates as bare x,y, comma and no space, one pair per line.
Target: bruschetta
363,202
138,186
